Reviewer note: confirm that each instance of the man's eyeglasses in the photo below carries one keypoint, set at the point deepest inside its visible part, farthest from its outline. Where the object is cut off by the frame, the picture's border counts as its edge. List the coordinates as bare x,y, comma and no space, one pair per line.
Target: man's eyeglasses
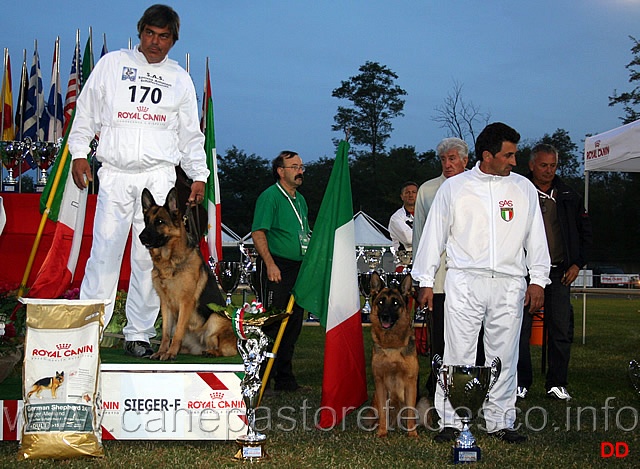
296,167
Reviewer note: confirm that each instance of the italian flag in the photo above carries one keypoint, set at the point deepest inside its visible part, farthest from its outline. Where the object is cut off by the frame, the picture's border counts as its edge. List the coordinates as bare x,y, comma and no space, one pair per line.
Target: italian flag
65,204
327,286
212,188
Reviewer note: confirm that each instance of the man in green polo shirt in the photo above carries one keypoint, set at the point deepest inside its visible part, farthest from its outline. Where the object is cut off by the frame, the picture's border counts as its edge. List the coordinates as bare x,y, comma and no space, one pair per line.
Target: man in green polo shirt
280,233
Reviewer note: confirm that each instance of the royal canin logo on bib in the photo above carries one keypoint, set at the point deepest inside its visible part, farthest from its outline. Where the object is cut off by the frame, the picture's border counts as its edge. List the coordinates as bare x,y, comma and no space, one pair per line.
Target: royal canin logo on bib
506,210
129,73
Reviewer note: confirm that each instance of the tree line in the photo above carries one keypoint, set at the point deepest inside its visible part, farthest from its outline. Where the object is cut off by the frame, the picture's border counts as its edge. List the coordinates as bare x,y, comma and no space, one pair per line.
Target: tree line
373,100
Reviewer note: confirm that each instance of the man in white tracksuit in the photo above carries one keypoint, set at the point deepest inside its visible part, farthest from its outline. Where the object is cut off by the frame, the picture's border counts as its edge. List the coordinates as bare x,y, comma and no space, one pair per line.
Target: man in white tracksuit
489,223
143,107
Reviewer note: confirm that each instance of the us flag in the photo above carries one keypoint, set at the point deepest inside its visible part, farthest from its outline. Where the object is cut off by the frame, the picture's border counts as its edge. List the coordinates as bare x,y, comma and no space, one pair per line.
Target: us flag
73,87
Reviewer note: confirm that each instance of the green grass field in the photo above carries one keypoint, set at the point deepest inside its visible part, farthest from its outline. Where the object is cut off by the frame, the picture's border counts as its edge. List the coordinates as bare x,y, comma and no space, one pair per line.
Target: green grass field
604,409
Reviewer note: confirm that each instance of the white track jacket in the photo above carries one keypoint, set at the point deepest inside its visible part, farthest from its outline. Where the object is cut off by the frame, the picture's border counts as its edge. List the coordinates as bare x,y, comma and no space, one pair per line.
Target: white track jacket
145,114
491,225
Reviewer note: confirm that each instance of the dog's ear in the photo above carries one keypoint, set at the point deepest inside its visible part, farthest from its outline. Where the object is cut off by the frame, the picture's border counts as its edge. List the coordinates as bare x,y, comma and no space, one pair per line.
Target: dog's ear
147,200
406,285
172,200
376,284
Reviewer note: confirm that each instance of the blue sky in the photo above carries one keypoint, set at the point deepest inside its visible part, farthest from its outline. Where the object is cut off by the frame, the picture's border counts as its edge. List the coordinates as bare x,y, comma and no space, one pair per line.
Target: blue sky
536,65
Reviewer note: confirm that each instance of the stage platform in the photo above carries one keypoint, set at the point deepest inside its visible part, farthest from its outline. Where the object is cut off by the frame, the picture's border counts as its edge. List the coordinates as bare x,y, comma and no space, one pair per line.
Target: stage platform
149,400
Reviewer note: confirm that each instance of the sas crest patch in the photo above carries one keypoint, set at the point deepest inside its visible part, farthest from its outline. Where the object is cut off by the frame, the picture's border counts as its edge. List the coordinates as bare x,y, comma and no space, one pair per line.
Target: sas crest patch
506,213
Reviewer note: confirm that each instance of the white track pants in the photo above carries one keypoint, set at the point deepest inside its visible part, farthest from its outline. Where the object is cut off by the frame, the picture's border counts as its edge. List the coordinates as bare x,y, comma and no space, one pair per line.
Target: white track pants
119,210
472,300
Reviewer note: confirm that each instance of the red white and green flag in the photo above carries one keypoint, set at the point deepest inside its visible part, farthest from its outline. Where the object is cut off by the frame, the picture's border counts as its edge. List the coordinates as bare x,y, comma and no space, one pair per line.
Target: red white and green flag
212,188
68,209
327,286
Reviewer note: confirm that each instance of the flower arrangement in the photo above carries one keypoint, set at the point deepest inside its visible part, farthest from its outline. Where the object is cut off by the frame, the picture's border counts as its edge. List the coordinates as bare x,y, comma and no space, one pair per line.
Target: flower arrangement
12,327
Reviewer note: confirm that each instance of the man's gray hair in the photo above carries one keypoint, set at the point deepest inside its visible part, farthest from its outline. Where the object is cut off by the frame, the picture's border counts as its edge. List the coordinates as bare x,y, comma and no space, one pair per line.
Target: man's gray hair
543,148
453,143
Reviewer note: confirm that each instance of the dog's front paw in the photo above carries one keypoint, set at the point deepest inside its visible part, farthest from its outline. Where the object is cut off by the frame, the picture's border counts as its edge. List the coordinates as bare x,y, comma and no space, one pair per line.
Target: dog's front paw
382,434
163,356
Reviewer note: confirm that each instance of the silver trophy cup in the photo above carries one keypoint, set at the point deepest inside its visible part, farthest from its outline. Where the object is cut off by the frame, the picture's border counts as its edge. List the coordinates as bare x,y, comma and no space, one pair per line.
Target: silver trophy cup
247,324
229,277
466,387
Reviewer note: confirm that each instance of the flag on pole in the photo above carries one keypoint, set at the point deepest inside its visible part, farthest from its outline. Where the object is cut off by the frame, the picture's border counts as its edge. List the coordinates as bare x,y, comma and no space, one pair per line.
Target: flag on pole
87,59
104,46
54,103
327,286
21,105
36,120
212,188
68,209
73,87
8,132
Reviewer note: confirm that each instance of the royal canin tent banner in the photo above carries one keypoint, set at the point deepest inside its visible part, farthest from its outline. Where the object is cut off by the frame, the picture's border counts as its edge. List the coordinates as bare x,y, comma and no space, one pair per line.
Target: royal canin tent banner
615,150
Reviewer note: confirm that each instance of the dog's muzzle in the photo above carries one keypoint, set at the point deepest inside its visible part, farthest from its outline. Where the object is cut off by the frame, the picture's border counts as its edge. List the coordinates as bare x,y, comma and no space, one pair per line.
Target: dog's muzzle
152,240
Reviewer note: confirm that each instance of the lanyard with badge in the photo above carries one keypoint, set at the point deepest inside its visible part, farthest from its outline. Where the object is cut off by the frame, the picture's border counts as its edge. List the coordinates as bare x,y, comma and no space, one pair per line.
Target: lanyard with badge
303,236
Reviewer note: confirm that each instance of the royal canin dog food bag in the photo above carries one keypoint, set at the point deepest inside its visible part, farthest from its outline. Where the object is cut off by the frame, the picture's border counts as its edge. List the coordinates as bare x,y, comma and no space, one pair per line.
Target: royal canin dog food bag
62,409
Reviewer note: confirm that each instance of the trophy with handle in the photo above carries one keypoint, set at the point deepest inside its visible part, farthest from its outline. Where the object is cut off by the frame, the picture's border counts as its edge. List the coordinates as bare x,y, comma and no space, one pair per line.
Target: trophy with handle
229,277
249,268
11,154
247,324
466,387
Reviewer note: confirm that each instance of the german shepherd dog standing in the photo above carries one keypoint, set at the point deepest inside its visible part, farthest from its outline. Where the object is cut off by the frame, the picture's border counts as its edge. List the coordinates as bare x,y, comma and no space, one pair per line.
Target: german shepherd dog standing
394,362
52,383
185,285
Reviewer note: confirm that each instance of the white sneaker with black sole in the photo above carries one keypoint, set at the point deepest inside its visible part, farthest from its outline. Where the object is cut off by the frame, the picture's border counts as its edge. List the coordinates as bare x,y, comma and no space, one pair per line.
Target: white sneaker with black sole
560,393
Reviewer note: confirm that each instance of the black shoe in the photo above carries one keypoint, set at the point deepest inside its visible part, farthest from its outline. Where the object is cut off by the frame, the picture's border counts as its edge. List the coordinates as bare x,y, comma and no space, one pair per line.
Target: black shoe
447,434
137,348
508,435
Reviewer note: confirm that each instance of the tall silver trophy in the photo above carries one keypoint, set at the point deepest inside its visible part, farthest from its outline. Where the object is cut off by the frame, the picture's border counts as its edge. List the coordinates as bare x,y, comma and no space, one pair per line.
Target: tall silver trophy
247,324
466,387
373,259
249,268
229,277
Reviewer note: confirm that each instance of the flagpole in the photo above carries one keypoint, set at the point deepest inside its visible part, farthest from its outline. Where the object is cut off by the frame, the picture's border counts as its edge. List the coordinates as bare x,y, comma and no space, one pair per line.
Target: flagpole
22,97
37,103
57,88
276,346
43,220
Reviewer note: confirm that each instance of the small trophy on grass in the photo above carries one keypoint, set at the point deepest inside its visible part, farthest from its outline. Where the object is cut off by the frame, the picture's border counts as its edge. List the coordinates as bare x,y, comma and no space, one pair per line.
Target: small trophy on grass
466,387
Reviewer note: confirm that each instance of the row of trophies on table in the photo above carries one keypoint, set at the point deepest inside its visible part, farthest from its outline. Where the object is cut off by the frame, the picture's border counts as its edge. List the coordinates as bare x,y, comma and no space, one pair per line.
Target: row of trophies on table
15,153
231,274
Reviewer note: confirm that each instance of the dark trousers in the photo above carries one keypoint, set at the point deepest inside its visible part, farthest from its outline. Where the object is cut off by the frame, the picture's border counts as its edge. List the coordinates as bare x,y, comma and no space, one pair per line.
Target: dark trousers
558,321
437,341
276,296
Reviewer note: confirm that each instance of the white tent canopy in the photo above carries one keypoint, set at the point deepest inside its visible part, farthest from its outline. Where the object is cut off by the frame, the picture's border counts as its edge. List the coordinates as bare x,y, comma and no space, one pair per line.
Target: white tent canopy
615,150
229,238
368,232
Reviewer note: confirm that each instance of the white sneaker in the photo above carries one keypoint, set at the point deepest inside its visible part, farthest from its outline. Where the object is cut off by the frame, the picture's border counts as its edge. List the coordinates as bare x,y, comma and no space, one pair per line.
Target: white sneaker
521,393
559,392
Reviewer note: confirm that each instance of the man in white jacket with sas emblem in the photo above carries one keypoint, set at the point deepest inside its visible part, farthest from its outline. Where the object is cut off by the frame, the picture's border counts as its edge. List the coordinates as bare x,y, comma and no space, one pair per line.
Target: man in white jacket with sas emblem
489,223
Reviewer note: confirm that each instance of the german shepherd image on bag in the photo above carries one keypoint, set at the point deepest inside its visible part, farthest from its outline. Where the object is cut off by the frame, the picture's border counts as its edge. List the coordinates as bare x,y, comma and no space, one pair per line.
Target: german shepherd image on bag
52,383
394,362
185,285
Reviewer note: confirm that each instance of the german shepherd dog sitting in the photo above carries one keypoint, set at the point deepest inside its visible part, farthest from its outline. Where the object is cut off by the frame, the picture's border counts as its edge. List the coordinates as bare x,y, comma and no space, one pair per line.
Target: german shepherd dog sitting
51,382
185,285
394,362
